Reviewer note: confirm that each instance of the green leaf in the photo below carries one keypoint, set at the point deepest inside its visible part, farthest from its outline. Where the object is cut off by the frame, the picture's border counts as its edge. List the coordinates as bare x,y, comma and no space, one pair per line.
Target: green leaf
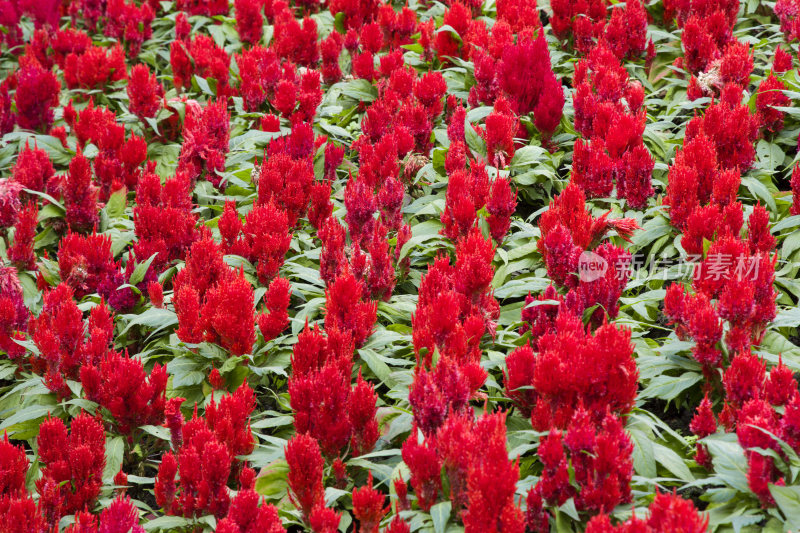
360,89
185,372
272,481
115,207
141,269
167,523
115,453
730,463
672,462
440,514
788,501
670,387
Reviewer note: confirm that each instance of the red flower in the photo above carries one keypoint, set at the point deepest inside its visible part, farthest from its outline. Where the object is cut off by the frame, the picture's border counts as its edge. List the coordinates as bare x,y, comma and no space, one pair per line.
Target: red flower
121,385
668,512
37,94
295,42
305,473
634,183
324,520
85,262
202,57
163,219
73,461
769,96
206,133
287,182
435,394
425,467
519,378
21,252
276,299
500,130
346,308
227,315
33,168
361,412
80,196
501,205
145,93
795,185
319,400
129,22
368,507
782,62
95,68
592,168
245,515
249,21
13,468
492,481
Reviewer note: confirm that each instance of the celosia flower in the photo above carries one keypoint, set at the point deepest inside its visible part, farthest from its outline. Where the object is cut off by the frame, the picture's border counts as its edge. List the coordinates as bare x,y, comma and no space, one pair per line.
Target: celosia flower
206,133
73,461
519,378
425,467
744,379
347,310
324,520
120,515
294,41
287,182
249,20
80,196
305,473
668,512
782,62
275,320
319,400
13,468
245,515
703,424
84,262
756,415
145,93
501,205
7,117
163,219
37,94
121,385
780,387
795,185
95,68
500,130
21,252
227,315
769,96
368,507
33,168
492,481
434,395
361,411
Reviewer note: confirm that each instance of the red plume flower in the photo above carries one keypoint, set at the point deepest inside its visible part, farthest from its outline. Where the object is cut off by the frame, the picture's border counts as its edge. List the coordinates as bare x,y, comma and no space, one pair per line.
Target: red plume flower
305,473
368,507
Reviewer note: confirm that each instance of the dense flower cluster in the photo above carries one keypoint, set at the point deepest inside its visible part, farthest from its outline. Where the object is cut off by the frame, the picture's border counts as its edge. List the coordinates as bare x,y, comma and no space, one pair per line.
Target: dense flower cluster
355,223
205,456
610,114
571,241
573,367
589,26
